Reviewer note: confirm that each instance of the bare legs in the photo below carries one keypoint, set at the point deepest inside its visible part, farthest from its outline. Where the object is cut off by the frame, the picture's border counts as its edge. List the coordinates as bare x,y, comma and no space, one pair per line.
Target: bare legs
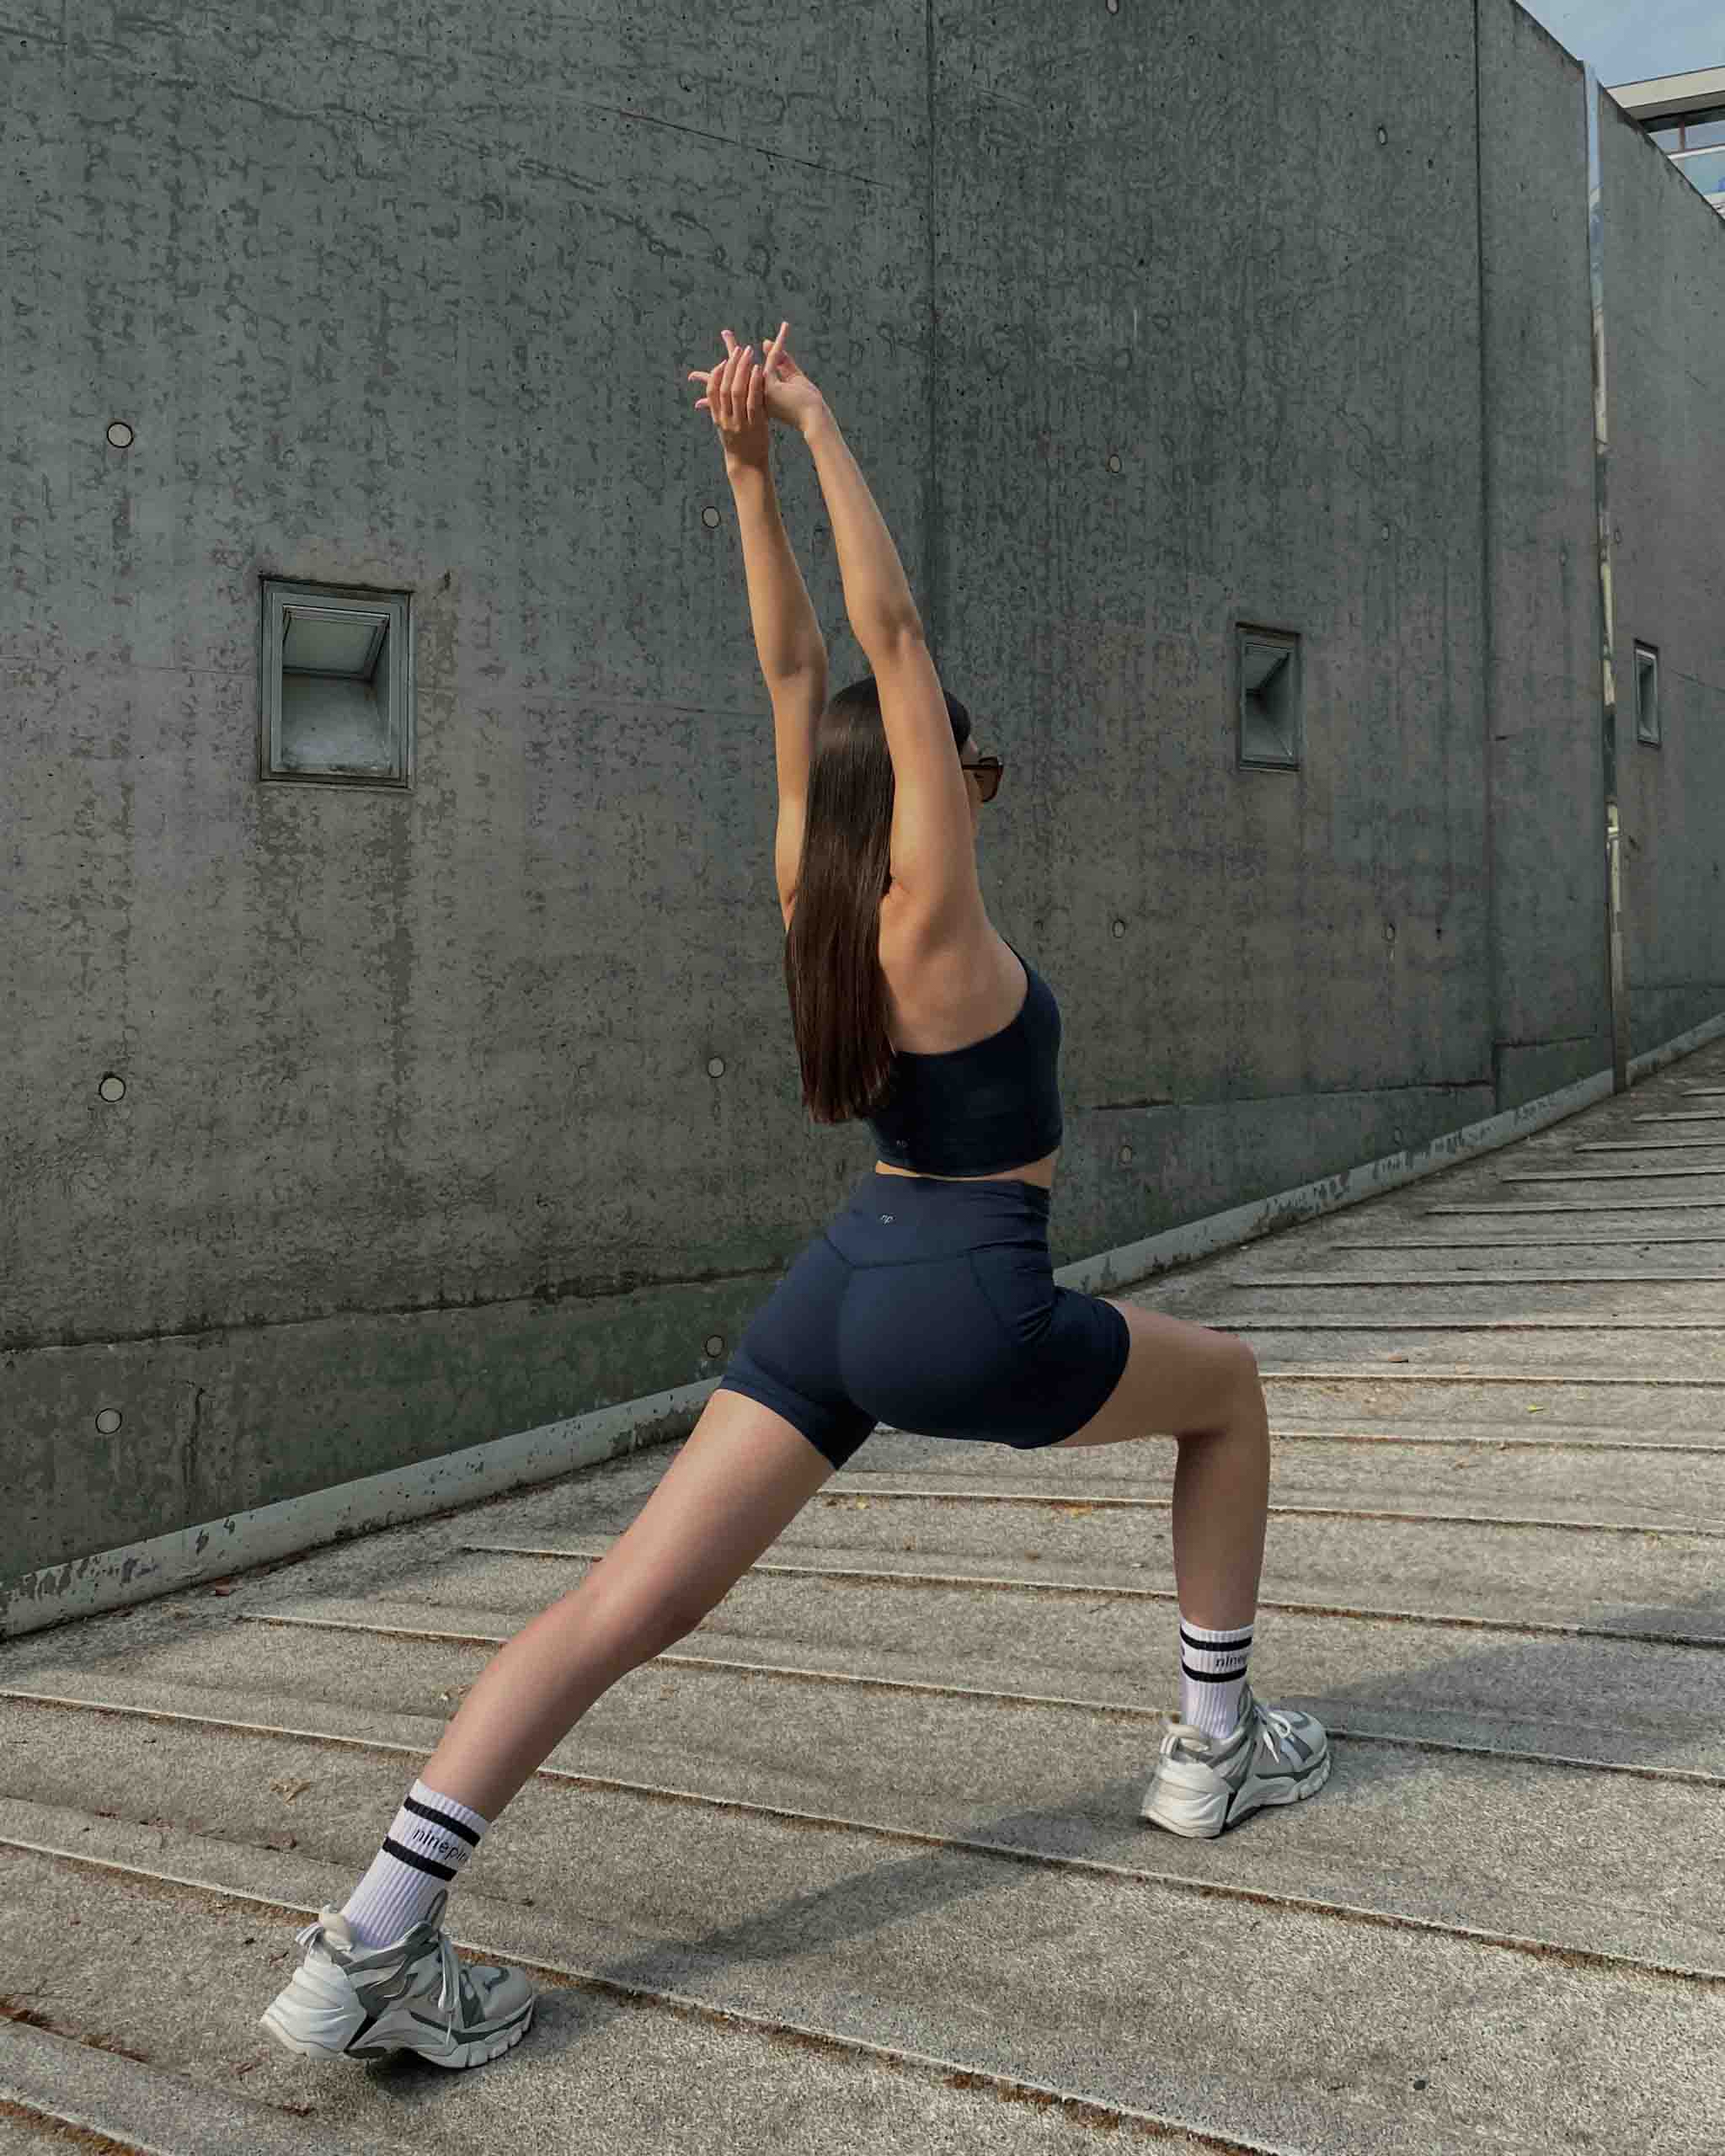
1221,1500
744,1474
1200,1387
740,1478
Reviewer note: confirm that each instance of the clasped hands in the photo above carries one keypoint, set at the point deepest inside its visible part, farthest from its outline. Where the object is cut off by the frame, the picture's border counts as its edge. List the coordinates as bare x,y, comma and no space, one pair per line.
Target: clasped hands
743,393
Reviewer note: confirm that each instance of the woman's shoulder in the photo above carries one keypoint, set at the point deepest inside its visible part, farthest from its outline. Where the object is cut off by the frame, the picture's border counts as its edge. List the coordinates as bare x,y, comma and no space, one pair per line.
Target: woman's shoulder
949,990
909,939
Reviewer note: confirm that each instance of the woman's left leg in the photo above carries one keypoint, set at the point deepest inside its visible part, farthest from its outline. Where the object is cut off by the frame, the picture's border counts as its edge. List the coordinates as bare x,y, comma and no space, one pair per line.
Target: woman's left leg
740,1478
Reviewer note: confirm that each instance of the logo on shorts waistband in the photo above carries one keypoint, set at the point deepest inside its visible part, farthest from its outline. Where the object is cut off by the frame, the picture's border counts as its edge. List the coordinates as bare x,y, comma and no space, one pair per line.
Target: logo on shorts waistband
886,1219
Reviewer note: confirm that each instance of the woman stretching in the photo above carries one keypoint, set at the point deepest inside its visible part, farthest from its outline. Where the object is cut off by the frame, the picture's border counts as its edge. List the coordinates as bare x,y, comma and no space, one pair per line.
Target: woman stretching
928,1303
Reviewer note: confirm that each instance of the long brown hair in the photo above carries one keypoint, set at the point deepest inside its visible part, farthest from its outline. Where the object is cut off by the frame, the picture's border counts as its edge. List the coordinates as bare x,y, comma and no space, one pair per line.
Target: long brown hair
832,948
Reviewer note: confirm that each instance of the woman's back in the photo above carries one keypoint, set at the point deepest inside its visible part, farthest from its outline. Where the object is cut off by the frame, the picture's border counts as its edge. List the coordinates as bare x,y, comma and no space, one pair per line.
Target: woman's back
978,1097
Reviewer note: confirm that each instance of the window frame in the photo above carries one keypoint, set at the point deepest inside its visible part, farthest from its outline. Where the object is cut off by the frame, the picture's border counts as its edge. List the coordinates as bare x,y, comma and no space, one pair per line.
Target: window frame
282,594
1289,644
1649,652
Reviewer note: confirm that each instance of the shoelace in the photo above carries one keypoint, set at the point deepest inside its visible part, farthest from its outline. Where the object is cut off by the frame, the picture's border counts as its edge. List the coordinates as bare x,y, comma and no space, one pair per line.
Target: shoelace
448,1987
1279,1723
449,1978
1177,1731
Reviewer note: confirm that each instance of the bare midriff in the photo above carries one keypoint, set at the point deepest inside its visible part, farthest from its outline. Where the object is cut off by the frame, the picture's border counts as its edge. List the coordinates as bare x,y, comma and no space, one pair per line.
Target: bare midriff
1041,1172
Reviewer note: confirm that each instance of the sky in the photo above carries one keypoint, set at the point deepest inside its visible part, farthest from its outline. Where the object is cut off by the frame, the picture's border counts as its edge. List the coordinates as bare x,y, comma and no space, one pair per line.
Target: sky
1627,44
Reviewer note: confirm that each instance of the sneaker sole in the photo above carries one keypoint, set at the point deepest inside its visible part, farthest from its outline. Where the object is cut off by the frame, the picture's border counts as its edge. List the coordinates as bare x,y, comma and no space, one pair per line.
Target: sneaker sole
333,2037
1202,1818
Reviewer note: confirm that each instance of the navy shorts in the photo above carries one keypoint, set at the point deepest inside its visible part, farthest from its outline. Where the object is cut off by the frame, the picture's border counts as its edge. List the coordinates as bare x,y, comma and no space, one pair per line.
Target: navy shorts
931,1306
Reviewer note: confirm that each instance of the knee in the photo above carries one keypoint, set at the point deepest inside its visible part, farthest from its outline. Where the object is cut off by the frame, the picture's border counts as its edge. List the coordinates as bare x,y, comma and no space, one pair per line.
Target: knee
1236,1363
670,1618
639,1625
1245,1382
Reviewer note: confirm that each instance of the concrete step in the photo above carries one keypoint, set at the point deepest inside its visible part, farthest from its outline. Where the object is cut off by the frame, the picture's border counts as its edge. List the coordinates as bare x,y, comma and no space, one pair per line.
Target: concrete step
64,2092
1050,1971
1305,1394
1412,1307
1517,1846
1623,1134
1608,1177
184,1971
1641,1581
1562,1348
1522,1481
1469,1216
1534,1264
1646,1171
1617,1701
1452,1242
1653,1711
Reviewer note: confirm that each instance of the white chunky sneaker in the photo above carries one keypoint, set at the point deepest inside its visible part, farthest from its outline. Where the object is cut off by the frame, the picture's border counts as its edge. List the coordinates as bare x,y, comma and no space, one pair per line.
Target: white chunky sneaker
1274,1755
349,2001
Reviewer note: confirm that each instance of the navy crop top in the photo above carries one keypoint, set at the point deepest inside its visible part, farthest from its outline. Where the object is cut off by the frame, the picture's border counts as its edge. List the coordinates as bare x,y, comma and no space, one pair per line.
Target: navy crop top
978,1110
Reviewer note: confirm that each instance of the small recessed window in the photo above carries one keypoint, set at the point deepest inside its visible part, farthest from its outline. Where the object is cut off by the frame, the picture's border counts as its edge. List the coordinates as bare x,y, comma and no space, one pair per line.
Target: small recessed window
1268,664
1647,693
337,685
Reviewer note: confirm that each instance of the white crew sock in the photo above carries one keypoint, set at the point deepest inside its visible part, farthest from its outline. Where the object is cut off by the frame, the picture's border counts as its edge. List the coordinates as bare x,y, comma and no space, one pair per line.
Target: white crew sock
1212,1677
429,1841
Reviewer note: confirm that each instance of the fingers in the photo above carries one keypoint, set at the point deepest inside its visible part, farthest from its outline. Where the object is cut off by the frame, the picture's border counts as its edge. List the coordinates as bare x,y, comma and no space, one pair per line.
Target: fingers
734,374
736,388
717,381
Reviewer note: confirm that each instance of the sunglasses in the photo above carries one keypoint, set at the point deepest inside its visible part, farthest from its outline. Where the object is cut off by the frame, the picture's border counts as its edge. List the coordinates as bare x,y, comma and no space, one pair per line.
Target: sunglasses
987,770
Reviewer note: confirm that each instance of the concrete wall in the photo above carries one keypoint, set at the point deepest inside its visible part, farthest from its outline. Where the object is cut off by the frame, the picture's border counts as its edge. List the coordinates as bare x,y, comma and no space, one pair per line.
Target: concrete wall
1665,249
1545,816
1271,317
455,1111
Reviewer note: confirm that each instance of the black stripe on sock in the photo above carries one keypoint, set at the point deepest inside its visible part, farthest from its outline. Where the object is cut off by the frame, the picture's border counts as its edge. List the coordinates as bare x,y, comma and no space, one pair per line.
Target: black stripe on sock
455,1825
413,1857
1216,1646
1202,1676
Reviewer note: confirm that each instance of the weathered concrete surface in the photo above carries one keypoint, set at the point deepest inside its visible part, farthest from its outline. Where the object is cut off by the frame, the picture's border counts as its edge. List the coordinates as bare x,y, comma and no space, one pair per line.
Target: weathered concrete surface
858,1840
606,2077
452,1113
1535,1472
1548,977
1665,315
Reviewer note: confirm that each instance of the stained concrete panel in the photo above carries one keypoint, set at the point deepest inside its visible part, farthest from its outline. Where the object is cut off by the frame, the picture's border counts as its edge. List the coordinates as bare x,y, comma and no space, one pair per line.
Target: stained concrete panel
1263,310
1547,956
1664,270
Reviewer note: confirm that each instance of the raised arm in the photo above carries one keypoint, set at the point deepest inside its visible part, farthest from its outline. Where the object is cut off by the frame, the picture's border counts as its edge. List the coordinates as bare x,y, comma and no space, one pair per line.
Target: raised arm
788,637
876,597
792,651
932,840
933,851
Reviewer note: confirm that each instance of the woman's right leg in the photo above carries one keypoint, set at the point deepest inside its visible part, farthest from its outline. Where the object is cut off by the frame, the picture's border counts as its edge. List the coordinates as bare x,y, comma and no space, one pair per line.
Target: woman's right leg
1225,1755
1202,1389
375,1976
